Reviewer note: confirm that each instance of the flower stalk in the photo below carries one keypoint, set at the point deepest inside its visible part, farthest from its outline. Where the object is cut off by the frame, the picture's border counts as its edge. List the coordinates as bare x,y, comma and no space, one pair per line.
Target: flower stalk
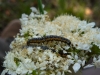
40,7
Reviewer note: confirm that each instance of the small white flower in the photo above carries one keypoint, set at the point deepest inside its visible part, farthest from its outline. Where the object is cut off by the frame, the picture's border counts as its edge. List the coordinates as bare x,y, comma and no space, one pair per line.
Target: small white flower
39,48
94,59
97,63
43,73
88,66
92,24
24,16
4,72
64,51
43,68
79,61
34,9
63,73
83,62
76,57
30,50
84,46
12,72
21,69
69,56
65,68
31,15
70,61
58,73
66,47
27,60
43,5
99,57
45,12
10,58
76,67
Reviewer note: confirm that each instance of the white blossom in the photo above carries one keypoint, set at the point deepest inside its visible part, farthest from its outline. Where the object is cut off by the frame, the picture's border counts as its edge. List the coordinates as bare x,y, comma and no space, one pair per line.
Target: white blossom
88,66
34,9
25,59
76,67
97,63
30,50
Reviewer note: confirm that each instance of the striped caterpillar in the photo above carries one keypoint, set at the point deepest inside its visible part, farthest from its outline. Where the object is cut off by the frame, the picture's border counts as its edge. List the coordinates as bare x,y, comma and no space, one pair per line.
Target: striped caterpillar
47,39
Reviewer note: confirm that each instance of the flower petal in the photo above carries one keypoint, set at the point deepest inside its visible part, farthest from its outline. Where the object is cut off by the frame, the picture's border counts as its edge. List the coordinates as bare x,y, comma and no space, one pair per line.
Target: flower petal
76,67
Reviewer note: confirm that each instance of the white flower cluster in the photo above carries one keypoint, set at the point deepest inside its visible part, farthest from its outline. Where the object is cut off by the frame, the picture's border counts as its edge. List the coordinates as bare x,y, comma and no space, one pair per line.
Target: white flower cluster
35,60
81,33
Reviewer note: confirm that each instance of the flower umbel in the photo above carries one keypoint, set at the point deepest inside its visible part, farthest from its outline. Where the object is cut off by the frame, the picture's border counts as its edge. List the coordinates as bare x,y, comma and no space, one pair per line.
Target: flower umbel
52,57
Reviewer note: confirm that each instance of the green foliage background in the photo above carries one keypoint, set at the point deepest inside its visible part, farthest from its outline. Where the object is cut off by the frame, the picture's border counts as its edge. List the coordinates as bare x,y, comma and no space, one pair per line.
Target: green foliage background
12,9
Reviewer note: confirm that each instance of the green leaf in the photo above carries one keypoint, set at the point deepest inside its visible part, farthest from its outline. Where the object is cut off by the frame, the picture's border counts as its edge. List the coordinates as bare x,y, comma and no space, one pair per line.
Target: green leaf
16,61
40,7
34,72
95,50
26,34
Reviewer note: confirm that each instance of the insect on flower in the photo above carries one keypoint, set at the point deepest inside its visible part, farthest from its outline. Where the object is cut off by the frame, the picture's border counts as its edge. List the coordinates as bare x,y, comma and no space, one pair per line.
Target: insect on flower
47,39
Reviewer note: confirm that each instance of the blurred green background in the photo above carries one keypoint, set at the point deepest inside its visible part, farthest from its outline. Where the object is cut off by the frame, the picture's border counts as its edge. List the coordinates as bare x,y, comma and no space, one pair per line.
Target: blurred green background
83,9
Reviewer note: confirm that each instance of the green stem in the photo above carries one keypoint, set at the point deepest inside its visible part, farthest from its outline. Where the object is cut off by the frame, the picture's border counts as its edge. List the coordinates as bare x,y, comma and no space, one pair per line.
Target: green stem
40,7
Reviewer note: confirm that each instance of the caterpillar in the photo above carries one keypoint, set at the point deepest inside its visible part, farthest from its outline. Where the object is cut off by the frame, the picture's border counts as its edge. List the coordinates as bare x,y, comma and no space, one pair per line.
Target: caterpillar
48,38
